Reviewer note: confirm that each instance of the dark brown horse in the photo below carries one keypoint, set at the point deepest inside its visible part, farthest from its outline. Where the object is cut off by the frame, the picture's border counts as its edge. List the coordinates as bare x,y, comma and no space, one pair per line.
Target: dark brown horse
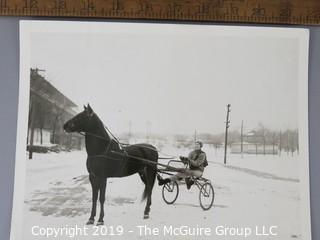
107,159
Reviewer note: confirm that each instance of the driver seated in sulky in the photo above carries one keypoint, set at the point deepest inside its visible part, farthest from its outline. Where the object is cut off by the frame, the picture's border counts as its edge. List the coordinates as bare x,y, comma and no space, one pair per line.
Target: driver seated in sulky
197,161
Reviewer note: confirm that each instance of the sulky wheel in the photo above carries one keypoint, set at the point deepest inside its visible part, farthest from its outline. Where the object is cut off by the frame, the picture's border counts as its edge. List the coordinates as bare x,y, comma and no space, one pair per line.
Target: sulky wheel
170,192
206,196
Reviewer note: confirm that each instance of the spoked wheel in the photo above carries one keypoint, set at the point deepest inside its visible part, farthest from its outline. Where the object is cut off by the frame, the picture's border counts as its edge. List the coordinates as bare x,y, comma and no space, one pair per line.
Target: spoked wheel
206,196
170,192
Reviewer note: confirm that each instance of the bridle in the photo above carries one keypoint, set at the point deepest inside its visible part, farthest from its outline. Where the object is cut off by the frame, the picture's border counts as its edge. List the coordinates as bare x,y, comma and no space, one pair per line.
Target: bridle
84,133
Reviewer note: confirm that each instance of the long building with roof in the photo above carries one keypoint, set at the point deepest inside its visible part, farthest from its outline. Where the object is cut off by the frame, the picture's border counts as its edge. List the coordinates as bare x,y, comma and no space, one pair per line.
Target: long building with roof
49,108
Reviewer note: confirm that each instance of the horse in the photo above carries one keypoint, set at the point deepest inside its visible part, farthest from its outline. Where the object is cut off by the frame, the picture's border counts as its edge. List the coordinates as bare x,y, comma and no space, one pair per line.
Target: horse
107,159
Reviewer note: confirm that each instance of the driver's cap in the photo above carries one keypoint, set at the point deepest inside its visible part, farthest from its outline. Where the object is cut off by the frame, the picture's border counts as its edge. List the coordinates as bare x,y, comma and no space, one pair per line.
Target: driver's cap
200,143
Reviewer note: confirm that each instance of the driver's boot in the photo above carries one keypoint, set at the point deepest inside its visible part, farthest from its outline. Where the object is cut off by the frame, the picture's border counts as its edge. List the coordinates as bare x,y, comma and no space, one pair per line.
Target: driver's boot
189,183
162,181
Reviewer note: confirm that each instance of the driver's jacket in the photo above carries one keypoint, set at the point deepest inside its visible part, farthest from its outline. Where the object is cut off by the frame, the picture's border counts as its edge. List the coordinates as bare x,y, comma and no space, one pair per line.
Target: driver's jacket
196,160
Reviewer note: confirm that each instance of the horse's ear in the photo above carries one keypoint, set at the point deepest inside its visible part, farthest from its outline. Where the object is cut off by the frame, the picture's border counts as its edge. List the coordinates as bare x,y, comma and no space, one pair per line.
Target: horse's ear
89,108
84,106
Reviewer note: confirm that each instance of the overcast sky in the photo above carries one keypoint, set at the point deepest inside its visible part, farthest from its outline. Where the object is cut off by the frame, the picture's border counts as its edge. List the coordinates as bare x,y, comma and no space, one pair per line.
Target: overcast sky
176,78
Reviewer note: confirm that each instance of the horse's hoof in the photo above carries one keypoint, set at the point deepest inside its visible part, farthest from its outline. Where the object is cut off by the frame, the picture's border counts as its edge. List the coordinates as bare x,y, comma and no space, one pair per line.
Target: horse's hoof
146,216
99,223
90,222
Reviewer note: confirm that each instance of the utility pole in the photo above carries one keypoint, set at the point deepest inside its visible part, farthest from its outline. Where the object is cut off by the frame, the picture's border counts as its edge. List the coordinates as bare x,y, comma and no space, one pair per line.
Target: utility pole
129,132
33,109
226,134
297,141
242,139
264,141
273,142
288,147
32,126
148,124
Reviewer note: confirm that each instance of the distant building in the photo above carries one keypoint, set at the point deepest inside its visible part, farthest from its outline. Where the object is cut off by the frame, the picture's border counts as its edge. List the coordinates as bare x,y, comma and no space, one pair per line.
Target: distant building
48,110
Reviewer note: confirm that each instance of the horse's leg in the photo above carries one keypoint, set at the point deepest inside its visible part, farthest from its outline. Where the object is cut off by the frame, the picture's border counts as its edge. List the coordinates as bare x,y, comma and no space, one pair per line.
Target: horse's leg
102,197
95,191
150,179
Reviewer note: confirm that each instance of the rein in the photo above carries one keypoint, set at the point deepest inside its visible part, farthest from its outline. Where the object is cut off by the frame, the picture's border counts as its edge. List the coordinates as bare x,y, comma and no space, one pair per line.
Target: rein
127,156
120,143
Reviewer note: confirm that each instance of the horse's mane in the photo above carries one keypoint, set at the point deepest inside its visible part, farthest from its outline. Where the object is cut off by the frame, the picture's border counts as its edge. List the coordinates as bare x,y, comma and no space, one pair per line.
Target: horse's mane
101,127
115,143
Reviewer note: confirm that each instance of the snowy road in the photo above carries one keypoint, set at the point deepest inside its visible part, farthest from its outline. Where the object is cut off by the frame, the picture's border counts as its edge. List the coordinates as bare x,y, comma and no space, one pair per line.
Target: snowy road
253,191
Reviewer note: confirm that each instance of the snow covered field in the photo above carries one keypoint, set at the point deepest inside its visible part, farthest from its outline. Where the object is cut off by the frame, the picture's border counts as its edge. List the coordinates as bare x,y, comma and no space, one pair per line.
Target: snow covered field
252,191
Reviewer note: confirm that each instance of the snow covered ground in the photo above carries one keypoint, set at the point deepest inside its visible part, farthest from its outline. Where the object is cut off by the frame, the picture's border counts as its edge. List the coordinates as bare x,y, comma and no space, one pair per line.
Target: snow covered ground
252,191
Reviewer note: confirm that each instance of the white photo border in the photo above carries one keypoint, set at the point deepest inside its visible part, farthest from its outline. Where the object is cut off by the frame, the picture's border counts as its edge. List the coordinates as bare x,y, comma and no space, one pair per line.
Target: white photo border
28,27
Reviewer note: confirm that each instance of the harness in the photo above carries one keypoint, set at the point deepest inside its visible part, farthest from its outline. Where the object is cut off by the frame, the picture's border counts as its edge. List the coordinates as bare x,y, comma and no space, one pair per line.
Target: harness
107,152
124,154
121,145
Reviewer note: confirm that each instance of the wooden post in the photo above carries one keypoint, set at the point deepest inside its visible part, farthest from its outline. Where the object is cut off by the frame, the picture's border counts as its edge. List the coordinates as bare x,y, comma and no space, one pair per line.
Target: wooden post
226,134
70,141
41,136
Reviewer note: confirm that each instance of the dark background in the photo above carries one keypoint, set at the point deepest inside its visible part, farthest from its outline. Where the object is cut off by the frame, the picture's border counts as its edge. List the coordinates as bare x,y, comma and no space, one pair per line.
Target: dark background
9,79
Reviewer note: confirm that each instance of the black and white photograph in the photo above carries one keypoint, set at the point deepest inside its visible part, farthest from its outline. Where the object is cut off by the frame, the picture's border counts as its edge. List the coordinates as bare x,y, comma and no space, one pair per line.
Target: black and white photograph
161,131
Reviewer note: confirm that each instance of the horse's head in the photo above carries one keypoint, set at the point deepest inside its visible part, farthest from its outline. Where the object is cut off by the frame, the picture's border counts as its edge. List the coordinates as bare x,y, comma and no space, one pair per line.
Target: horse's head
81,122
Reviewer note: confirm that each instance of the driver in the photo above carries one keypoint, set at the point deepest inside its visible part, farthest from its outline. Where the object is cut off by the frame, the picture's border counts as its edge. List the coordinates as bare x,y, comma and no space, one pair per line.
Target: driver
197,162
